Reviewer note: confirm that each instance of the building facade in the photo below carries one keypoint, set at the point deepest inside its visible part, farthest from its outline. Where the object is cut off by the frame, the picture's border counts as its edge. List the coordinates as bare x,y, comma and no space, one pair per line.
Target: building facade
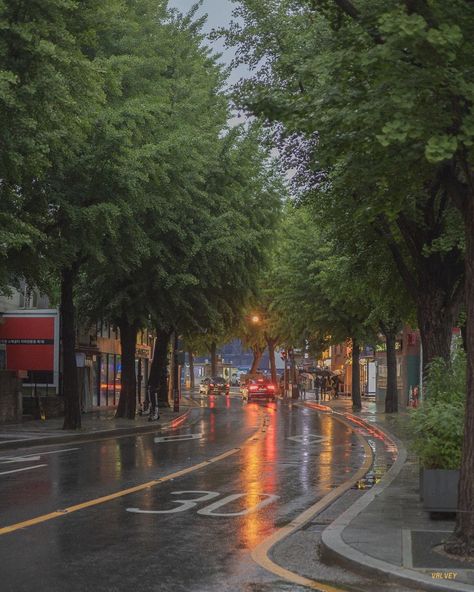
30,346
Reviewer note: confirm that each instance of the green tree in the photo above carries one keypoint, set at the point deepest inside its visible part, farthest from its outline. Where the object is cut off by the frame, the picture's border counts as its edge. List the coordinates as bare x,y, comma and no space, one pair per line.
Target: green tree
388,88
48,85
165,115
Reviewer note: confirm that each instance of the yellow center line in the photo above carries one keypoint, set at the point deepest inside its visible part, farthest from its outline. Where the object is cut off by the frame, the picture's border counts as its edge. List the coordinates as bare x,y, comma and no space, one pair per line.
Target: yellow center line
112,496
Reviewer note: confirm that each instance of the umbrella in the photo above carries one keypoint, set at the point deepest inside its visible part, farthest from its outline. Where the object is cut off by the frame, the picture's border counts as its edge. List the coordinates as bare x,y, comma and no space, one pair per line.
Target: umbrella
323,372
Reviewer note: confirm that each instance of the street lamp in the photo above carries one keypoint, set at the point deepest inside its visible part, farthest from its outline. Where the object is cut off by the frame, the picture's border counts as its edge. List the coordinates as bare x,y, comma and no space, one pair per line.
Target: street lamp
255,319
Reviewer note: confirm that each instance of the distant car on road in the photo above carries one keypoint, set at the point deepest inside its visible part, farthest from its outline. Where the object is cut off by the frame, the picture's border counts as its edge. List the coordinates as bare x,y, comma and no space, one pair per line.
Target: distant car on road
258,388
214,385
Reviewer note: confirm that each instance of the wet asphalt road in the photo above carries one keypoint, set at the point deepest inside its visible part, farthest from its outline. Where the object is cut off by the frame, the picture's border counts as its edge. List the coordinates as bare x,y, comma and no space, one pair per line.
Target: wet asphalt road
191,532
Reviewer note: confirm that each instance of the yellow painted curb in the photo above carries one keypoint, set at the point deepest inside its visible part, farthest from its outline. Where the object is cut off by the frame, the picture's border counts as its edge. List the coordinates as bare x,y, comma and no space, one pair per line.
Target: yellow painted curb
260,553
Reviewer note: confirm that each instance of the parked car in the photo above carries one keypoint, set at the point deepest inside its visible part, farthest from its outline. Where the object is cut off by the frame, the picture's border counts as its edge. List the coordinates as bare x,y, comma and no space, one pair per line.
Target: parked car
214,385
258,388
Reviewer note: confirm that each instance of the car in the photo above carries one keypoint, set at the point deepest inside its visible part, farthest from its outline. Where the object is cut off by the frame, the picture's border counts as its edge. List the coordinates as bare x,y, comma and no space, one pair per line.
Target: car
214,385
258,388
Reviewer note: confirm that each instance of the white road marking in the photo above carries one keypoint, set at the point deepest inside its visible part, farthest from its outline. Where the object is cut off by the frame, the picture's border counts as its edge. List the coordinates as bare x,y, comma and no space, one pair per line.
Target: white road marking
308,439
30,457
185,504
188,504
209,510
178,438
19,459
24,469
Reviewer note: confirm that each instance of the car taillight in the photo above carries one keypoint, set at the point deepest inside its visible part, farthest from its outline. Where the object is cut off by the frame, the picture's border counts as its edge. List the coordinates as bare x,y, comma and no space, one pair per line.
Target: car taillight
253,387
271,387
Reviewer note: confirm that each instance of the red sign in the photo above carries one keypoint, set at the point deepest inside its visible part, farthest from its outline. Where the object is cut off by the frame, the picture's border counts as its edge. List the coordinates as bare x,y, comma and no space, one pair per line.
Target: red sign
29,342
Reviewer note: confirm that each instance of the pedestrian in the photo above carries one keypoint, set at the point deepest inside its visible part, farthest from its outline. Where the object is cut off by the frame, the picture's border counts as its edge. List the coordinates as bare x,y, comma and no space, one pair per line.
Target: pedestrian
282,384
335,385
415,396
302,386
154,409
327,388
319,387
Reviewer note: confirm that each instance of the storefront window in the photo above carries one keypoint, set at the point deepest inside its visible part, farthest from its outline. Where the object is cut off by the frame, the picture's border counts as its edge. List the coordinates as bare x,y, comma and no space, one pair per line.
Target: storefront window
110,382
118,377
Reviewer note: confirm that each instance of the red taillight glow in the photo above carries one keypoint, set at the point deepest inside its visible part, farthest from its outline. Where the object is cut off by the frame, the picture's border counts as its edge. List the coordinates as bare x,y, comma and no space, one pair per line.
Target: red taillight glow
253,387
271,387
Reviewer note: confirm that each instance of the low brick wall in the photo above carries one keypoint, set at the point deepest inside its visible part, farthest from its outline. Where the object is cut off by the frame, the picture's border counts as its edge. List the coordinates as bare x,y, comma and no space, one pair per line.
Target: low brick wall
11,406
52,405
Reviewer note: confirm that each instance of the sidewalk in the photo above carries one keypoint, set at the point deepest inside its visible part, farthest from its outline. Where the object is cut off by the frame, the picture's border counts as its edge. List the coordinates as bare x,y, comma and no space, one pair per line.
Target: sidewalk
95,424
386,532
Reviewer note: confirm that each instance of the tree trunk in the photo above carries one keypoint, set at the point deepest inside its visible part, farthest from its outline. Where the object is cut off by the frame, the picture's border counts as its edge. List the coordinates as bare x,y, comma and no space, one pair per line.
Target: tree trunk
462,542
436,319
356,400
72,405
271,352
213,359
191,369
128,392
391,397
257,356
159,367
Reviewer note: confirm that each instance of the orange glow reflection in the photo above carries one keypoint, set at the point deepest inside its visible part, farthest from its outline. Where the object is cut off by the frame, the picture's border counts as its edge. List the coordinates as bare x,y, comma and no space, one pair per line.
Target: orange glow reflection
259,476
326,458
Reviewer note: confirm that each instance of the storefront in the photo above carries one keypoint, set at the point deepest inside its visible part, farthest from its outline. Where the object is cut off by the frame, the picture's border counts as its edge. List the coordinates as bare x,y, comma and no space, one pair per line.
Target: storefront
408,366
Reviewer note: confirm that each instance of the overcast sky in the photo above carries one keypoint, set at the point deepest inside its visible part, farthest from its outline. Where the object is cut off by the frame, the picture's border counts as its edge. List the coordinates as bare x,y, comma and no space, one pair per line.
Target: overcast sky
219,15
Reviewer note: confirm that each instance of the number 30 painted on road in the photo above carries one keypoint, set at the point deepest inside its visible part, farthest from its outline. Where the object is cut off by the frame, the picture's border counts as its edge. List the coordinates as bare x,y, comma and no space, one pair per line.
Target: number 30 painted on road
210,509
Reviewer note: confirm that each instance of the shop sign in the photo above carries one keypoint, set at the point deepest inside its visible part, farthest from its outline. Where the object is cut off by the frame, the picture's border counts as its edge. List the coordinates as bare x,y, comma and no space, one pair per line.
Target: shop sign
31,344
143,351
382,347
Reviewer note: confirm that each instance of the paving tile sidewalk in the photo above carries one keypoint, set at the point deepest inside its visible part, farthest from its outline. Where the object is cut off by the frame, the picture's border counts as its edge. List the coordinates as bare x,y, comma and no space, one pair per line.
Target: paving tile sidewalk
95,424
393,529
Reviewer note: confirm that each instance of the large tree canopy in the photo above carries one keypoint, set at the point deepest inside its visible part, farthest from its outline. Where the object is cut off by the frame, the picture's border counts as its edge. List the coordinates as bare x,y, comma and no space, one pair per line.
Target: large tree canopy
383,92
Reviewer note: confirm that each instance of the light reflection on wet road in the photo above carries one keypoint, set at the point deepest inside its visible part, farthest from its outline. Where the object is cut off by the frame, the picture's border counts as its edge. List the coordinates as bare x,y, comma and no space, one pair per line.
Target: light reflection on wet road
204,526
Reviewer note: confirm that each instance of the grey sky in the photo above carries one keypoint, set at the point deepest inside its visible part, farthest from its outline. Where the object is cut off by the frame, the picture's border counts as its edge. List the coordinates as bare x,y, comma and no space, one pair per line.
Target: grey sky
219,15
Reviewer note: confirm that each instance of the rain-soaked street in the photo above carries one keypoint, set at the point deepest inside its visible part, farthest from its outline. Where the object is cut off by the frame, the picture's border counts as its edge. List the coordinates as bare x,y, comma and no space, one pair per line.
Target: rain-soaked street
178,510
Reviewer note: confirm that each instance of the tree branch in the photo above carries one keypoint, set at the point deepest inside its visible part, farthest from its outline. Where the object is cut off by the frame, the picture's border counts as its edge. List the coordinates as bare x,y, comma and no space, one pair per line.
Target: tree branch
350,10
421,7
347,7
457,190
410,281
411,234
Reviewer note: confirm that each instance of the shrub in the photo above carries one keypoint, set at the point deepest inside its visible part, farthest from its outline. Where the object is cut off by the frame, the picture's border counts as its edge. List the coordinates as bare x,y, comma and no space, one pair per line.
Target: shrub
438,423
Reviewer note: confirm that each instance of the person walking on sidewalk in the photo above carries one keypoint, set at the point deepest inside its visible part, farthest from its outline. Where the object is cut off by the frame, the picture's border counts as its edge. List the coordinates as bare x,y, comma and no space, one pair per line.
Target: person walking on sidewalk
302,386
154,409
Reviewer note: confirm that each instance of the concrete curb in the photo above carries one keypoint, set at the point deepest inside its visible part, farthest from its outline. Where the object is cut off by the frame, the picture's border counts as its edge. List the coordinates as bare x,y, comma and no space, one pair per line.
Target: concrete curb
88,436
335,548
